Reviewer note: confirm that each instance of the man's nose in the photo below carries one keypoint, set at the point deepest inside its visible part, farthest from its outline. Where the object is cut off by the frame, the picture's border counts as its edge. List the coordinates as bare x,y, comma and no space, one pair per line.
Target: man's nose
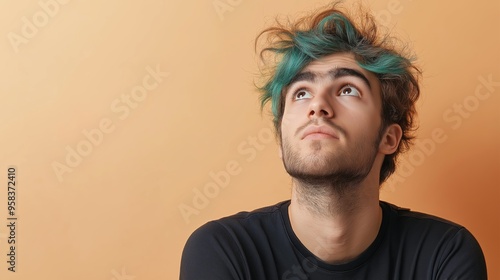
321,107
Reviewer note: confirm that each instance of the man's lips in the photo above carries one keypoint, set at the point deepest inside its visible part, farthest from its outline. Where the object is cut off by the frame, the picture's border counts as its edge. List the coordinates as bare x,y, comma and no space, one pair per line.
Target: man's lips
317,132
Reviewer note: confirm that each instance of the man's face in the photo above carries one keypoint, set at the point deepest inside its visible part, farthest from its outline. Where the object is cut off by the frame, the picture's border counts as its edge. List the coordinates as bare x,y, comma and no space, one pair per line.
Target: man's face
331,121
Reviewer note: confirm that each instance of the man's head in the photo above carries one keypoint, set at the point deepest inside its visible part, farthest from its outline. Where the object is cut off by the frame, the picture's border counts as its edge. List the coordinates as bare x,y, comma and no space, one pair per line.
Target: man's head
343,54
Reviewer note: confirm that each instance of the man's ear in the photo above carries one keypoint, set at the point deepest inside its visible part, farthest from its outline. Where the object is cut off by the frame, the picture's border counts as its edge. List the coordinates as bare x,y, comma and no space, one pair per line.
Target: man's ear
390,140
280,152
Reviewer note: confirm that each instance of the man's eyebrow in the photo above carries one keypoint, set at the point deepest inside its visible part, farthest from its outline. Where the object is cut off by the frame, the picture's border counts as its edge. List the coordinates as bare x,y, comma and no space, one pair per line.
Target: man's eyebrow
303,76
334,74
344,72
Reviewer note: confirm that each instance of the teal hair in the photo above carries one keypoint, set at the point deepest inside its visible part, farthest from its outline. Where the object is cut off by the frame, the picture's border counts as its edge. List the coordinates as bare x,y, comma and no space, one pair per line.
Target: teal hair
332,31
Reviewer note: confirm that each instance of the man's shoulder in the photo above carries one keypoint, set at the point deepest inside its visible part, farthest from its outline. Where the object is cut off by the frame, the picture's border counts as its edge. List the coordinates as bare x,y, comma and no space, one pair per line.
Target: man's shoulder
407,216
260,219
451,248
257,213
238,246
232,233
412,226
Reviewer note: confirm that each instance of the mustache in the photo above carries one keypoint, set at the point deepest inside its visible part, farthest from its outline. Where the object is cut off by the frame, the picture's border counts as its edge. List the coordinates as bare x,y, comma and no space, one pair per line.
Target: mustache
316,122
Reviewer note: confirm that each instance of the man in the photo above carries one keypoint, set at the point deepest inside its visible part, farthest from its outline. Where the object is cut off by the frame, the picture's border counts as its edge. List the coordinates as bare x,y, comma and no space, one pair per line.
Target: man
343,100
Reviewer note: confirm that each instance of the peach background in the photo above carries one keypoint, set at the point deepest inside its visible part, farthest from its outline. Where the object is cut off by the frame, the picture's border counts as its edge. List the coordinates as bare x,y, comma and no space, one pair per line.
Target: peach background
116,214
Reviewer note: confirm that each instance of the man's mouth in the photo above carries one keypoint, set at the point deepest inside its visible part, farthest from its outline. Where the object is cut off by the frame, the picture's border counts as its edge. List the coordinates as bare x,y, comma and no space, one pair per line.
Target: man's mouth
319,132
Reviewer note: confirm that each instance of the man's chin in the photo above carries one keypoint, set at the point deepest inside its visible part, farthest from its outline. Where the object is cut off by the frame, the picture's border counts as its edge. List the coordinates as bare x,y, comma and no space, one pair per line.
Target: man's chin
328,177
314,175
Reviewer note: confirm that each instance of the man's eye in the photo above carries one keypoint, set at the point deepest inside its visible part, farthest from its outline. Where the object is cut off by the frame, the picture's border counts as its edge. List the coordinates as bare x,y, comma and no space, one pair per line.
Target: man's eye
349,91
302,94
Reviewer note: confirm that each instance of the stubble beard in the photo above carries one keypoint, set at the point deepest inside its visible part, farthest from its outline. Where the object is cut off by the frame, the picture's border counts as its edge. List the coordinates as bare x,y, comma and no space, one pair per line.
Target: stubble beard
323,173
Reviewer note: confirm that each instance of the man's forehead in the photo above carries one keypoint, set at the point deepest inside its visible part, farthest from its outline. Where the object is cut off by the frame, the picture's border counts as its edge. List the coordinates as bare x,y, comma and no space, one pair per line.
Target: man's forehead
322,65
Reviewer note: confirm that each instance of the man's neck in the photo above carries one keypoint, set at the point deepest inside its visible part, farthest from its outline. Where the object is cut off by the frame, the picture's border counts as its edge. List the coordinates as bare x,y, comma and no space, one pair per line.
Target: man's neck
335,226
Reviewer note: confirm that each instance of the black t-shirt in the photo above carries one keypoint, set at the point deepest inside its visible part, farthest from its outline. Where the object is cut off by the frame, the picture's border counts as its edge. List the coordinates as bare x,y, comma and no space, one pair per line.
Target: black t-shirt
261,245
